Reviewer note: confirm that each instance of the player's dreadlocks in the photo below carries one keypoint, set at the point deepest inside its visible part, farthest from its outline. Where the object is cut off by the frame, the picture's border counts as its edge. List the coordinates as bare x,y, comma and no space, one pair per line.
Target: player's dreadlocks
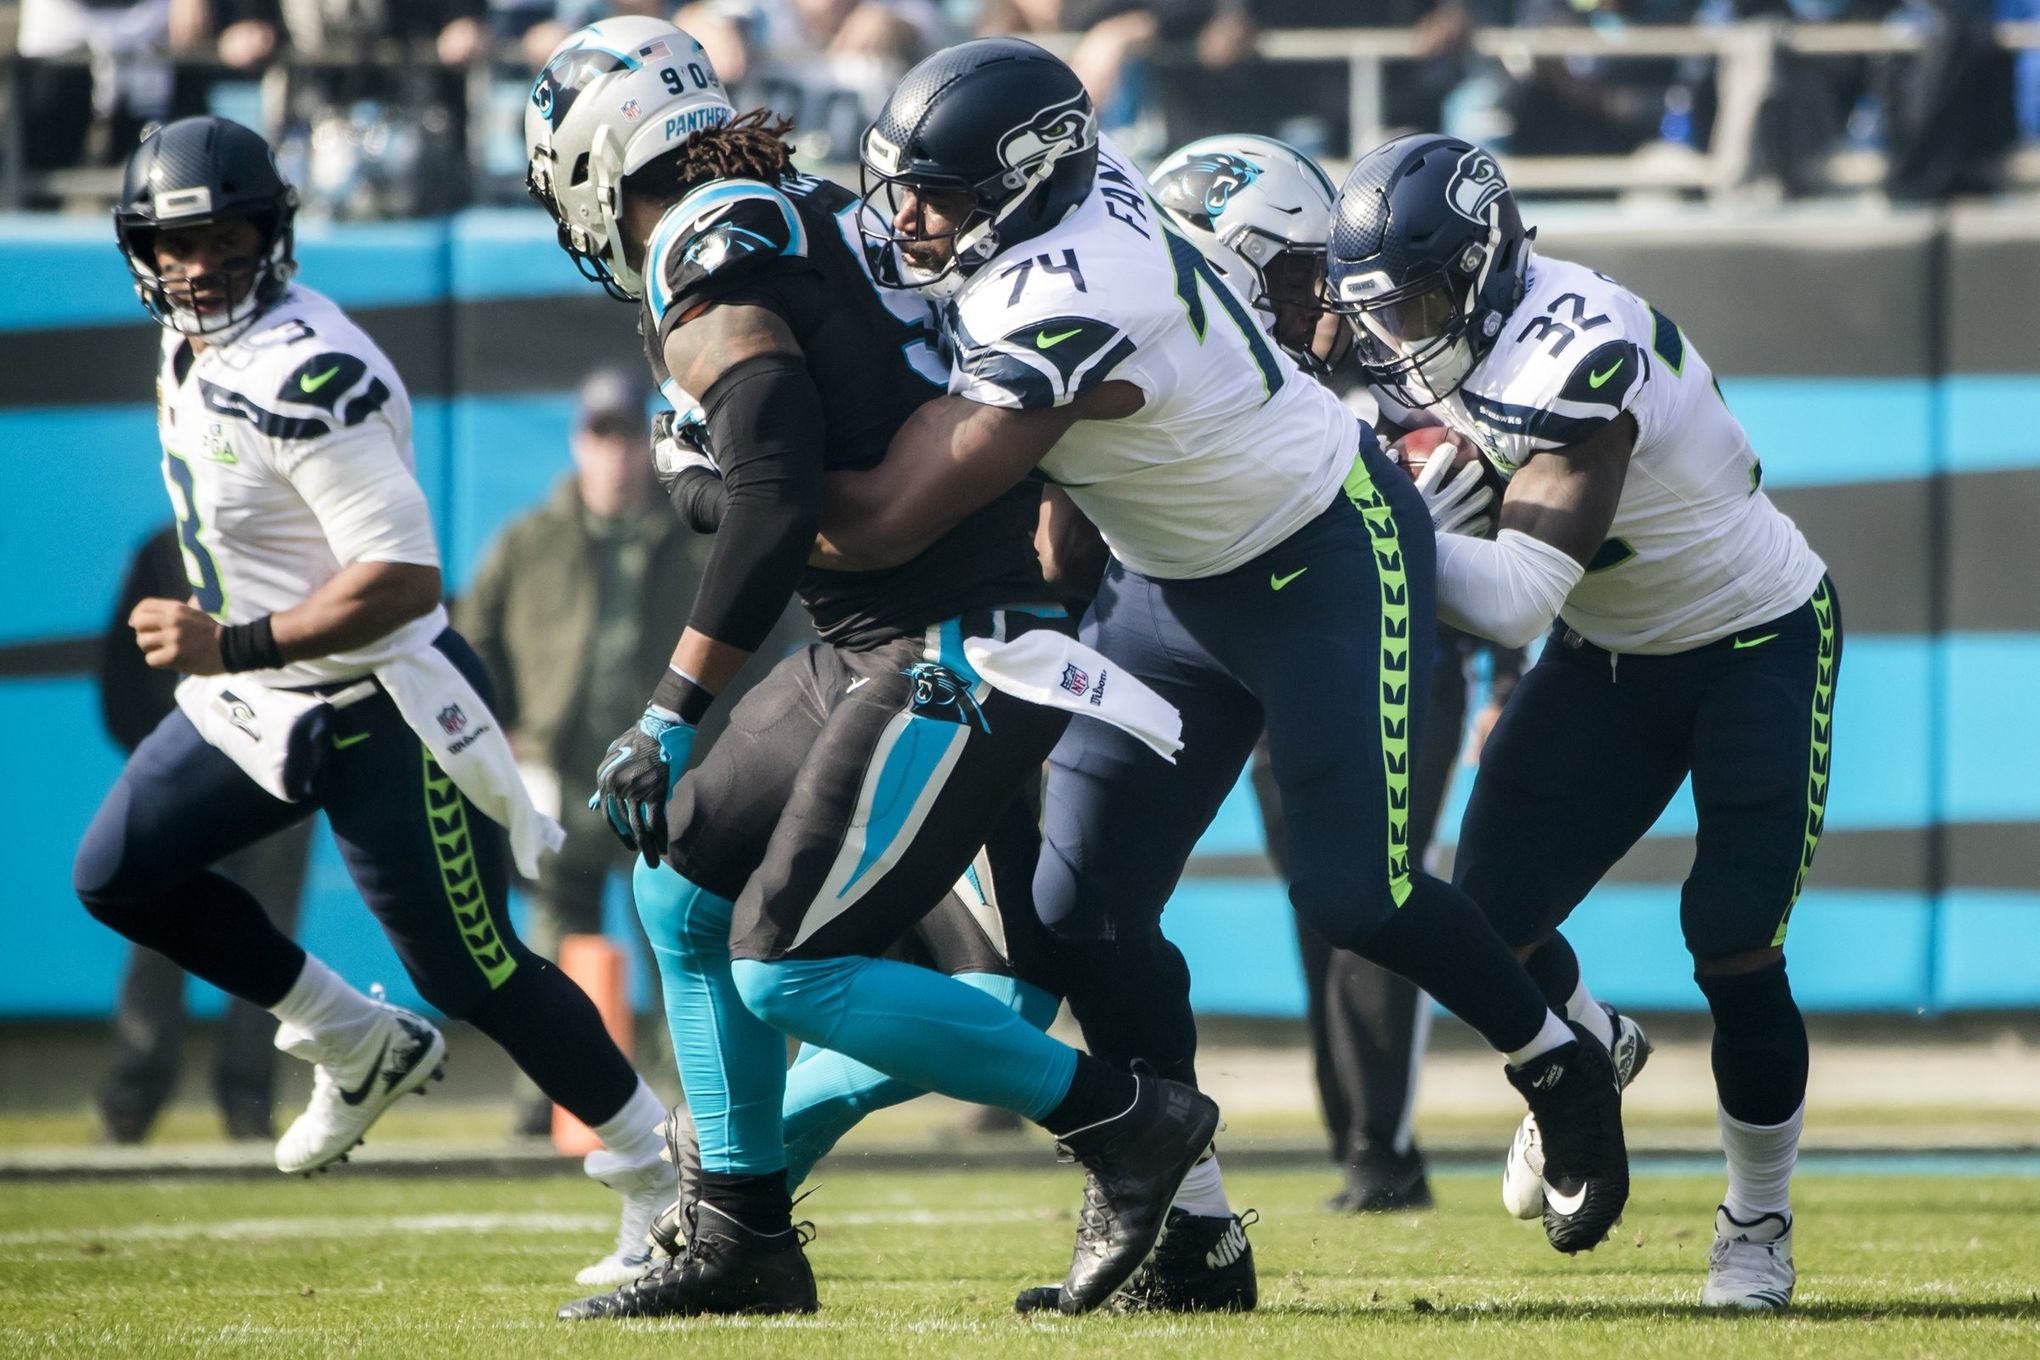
751,146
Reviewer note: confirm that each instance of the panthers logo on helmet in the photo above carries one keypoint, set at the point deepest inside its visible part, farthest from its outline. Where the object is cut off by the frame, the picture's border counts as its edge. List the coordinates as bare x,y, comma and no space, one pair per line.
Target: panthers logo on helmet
1476,184
1202,188
1049,134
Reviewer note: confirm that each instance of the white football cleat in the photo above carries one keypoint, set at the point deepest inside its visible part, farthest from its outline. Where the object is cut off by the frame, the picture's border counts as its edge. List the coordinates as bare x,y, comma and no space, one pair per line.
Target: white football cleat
1523,1171
1750,1264
647,1188
399,1055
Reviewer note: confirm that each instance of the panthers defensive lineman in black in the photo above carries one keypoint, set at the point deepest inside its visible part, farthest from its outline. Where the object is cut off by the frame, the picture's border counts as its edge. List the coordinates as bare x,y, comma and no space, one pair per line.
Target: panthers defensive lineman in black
858,781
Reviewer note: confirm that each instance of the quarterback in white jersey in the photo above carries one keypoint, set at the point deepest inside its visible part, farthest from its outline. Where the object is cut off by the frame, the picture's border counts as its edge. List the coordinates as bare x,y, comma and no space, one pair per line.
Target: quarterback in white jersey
1270,568
321,676
1693,632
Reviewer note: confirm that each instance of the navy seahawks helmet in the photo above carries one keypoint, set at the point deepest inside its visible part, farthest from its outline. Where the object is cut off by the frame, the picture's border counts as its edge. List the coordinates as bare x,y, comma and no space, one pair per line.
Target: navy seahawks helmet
190,173
997,118
1428,257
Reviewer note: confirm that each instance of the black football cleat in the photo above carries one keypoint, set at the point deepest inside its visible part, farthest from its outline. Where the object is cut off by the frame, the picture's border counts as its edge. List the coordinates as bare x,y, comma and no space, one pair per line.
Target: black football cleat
725,1268
1133,1165
1573,1094
1202,1264
668,1234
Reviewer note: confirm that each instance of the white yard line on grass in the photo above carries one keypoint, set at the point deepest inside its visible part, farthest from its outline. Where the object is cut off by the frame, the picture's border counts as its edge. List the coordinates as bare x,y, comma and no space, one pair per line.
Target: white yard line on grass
381,1225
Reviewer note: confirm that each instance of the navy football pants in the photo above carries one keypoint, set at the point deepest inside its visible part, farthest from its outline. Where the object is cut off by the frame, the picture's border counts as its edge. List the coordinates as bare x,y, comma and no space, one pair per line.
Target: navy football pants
1592,746
1327,641
428,863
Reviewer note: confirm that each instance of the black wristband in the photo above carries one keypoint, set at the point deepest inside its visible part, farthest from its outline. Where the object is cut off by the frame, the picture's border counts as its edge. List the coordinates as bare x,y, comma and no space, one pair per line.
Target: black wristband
250,646
679,694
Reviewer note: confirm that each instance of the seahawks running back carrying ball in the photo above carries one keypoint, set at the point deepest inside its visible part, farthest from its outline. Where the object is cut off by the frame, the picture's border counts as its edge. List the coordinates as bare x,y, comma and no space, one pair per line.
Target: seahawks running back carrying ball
1268,570
323,677
1691,631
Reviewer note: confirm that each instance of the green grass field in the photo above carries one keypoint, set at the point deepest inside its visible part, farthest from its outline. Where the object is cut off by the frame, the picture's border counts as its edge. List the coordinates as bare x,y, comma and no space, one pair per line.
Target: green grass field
927,1264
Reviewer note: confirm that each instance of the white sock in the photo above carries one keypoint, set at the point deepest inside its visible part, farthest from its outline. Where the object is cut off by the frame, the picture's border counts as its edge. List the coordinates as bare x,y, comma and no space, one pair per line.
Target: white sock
1203,1191
1760,1161
633,1131
1555,1034
1582,1009
321,1004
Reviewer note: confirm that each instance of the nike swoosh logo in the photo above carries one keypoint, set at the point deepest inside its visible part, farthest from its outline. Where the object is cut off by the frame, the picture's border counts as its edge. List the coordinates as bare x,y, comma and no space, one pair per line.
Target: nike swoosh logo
1741,643
308,383
860,680
1596,379
360,1093
1567,1205
1277,582
1043,340
342,743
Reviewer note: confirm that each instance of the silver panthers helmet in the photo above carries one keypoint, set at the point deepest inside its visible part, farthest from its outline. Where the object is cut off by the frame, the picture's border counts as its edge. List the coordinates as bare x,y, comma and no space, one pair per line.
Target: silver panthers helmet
612,97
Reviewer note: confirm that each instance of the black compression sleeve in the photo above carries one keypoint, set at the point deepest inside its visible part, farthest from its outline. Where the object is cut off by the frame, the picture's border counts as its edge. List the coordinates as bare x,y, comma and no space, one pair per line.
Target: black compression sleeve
700,499
765,423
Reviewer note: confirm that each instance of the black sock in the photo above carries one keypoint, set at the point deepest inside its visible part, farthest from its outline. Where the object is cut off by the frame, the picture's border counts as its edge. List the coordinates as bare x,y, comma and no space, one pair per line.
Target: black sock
760,1203
551,1030
212,928
1131,998
1760,1055
1439,940
1556,971
1098,1092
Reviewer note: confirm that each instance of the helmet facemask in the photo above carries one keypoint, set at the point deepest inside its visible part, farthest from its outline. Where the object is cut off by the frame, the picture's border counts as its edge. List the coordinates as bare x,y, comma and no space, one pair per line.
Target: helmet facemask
176,303
1422,340
977,238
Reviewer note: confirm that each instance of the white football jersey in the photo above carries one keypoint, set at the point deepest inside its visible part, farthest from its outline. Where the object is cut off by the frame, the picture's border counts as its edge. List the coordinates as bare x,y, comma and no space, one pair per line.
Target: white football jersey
1235,449
1697,551
287,455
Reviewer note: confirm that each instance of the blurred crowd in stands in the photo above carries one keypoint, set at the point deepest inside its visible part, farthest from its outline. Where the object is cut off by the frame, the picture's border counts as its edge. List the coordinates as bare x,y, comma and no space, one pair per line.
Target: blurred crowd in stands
406,107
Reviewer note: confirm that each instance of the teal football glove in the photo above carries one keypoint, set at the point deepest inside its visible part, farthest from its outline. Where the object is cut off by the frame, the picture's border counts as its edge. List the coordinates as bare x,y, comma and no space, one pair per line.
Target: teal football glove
636,778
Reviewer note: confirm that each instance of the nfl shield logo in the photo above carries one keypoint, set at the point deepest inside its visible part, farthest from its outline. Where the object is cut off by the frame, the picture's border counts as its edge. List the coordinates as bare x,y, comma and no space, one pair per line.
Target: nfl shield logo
452,720
631,109
1074,679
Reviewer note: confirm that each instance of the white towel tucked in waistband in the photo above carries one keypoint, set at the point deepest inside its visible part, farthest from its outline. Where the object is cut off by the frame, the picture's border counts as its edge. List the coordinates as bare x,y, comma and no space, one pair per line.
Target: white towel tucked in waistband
276,736
464,737
1049,668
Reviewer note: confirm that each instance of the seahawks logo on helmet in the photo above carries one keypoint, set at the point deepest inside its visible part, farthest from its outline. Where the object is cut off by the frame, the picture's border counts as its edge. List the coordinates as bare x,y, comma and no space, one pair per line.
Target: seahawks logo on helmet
1049,134
1475,185
1201,189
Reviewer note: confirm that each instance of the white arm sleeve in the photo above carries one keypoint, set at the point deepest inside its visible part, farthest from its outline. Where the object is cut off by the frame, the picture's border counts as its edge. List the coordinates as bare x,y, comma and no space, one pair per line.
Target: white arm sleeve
1508,590
365,496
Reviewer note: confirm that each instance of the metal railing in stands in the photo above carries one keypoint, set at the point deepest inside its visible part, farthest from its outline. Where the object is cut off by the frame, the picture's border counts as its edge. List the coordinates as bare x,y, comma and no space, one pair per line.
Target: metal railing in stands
1745,57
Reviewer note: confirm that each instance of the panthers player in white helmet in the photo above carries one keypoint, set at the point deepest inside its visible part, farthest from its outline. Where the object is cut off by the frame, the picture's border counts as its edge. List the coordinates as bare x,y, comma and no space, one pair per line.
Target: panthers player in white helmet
858,781
1268,571
1261,211
322,676
1692,631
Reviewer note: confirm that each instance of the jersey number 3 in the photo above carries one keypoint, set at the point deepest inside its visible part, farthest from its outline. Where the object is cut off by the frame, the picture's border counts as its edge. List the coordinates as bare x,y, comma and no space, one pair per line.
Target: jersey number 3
199,568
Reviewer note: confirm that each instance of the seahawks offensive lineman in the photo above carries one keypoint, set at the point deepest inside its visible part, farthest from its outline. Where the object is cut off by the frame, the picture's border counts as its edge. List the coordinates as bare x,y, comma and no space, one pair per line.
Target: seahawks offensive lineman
322,676
858,781
1268,568
1692,631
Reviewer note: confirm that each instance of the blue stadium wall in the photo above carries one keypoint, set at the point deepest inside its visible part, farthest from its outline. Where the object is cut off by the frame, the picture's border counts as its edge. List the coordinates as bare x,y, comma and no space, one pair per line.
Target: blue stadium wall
1884,366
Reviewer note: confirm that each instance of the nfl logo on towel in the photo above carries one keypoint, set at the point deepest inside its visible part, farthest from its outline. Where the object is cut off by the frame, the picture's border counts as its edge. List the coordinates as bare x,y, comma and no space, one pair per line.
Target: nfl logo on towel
631,110
452,720
1074,679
